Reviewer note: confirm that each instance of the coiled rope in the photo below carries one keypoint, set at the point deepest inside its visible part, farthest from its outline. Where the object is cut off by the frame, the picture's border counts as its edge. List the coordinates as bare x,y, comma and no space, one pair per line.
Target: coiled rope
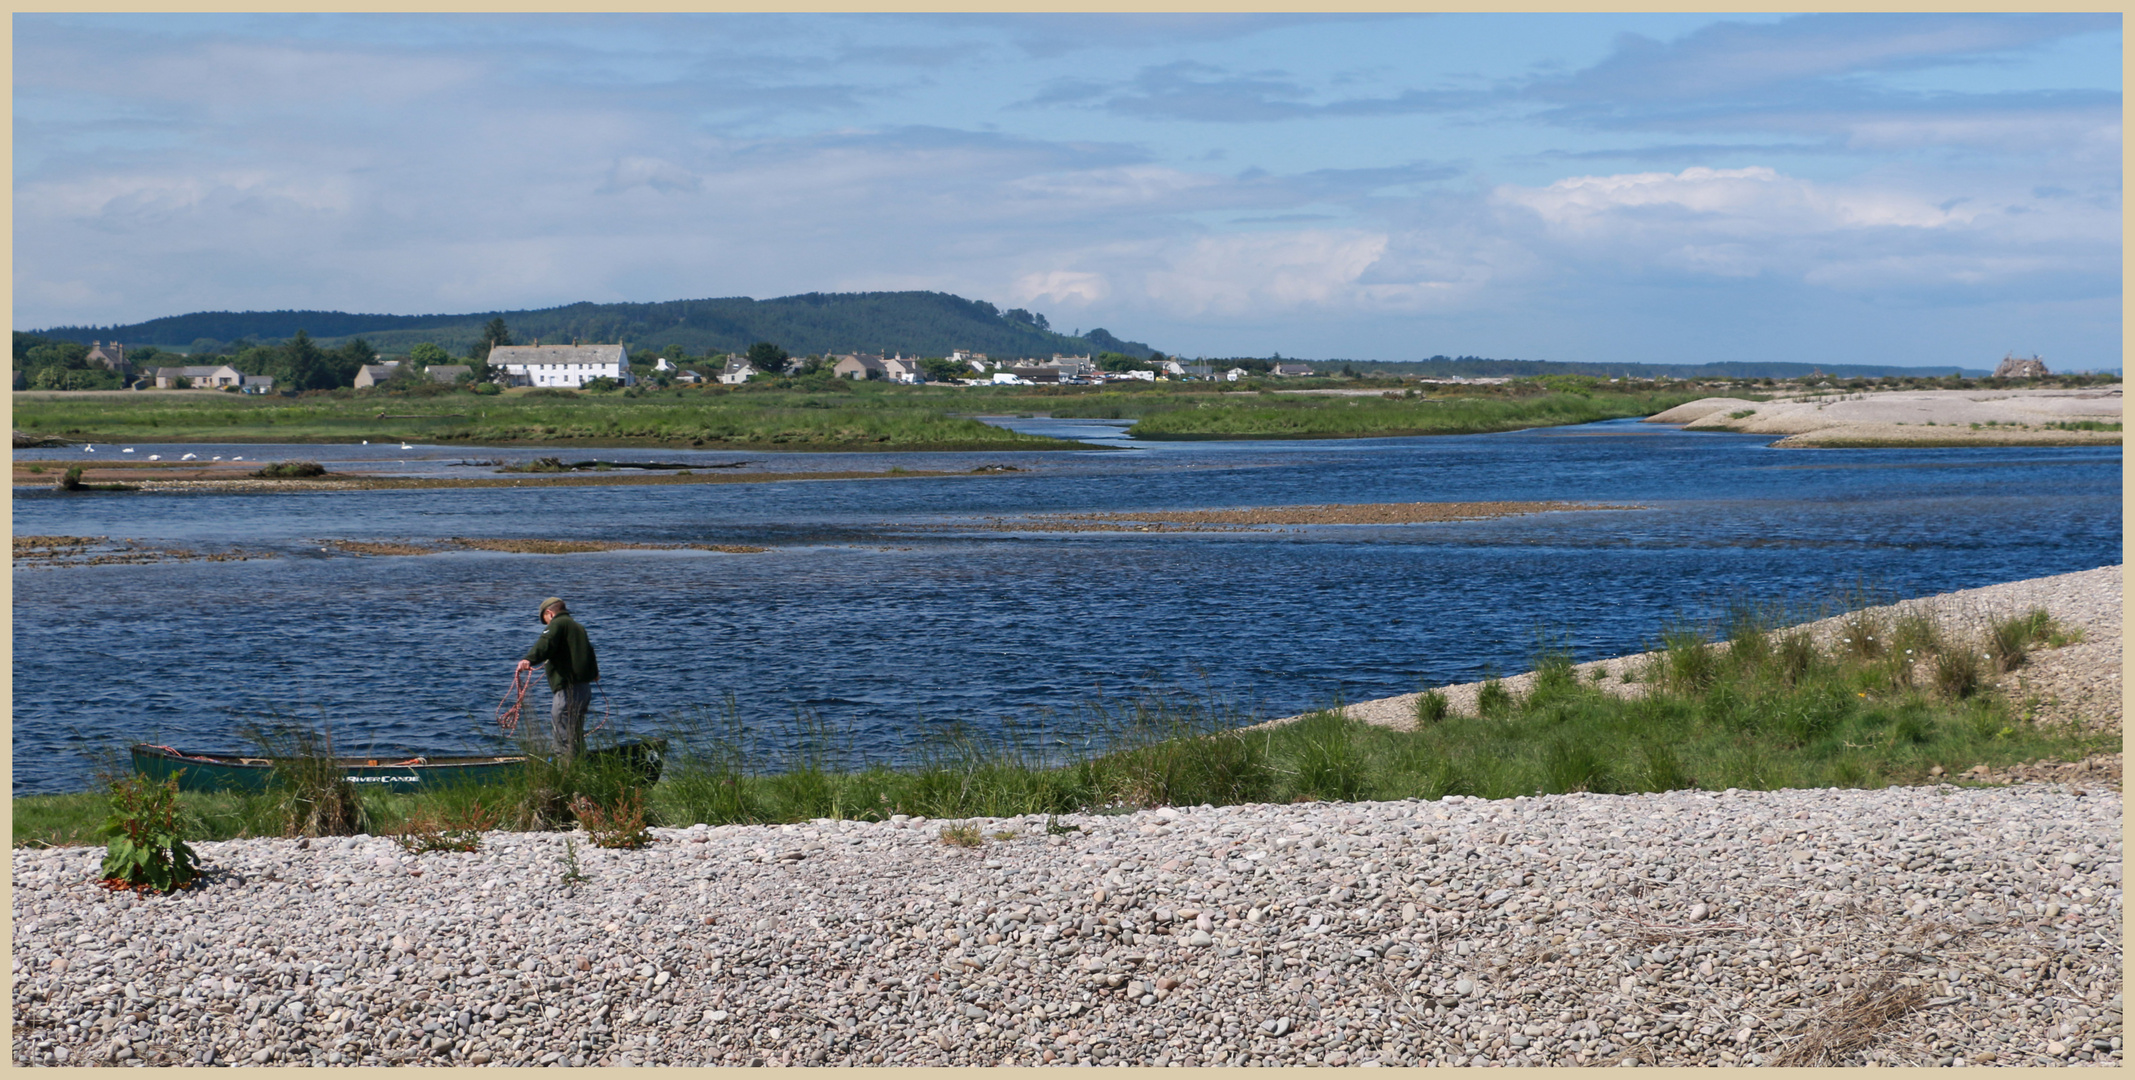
514,700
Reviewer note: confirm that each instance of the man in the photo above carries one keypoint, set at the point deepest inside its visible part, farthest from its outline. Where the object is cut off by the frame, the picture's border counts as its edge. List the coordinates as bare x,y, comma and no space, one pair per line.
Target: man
572,671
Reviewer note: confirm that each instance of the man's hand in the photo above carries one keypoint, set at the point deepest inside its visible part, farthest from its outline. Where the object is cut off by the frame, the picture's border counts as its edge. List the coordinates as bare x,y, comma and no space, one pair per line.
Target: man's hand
524,665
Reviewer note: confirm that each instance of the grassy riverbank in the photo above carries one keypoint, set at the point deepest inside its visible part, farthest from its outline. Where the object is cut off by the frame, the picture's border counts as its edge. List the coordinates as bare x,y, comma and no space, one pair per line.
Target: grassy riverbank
1772,710
1268,417
831,415
861,417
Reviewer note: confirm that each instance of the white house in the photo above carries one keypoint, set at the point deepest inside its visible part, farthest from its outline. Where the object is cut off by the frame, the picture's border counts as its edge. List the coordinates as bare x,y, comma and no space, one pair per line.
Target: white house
370,375
1237,373
1290,371
977,360
199,376
737,370
1073,366
561,365
903,369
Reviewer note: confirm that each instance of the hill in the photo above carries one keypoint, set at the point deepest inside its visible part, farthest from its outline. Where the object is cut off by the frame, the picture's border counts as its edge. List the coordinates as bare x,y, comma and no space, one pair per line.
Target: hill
922,323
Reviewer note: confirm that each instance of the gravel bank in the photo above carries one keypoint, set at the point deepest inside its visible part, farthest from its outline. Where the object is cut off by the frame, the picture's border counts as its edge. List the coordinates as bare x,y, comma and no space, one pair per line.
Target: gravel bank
1893,417
2076,684
1964,925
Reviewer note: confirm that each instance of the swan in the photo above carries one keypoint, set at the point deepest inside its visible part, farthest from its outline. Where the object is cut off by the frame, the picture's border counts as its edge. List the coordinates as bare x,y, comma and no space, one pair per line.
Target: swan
239,457
128,450
188,457
218,457
155,457
88,449
405,446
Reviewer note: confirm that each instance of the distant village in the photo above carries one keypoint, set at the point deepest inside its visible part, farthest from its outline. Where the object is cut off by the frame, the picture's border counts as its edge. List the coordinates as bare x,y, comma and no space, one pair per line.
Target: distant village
578,366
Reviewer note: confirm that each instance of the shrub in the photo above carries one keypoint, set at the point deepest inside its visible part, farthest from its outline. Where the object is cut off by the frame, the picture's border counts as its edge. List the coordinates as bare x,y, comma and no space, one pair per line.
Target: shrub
312,793
291,470
1796,657
1917,633
1863,636
1554,675
965,835
1689,661
146,851
1957,673
1431,707
1493,701
436,830
2009,641
618,825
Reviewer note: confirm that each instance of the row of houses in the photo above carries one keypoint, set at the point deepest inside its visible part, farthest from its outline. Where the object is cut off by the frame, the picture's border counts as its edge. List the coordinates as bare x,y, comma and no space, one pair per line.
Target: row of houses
1060,369
572,366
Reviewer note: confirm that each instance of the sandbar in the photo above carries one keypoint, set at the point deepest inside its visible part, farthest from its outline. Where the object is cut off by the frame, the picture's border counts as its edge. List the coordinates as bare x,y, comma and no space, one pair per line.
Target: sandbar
2010,417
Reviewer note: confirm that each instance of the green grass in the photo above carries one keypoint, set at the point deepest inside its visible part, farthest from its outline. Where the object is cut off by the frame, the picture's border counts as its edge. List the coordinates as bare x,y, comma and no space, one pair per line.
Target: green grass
1768,711
1239,416
834,418
811,414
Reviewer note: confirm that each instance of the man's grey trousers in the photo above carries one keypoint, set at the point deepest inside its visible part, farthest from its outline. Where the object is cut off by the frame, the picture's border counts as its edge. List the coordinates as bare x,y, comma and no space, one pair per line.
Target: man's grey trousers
567,719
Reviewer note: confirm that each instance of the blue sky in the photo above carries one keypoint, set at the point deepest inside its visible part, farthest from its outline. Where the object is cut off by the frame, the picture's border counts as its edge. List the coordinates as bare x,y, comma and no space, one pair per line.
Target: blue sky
1909,189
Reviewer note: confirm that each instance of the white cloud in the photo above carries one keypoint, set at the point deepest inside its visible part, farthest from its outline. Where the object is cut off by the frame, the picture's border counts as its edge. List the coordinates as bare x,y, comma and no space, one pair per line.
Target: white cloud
1072,287
658,174
1254,272
1754,200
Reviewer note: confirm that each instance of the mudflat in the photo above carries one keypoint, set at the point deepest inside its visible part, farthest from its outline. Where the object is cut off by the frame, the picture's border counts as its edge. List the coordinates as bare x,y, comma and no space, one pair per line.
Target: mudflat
2009,417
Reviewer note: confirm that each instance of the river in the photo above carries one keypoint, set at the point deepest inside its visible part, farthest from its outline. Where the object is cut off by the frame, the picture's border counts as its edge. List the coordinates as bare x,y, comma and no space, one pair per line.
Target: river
888,613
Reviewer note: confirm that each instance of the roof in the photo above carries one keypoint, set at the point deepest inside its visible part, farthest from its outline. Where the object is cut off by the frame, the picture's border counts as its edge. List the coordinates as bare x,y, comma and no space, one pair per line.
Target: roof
735,365
535,355
193,371
446,372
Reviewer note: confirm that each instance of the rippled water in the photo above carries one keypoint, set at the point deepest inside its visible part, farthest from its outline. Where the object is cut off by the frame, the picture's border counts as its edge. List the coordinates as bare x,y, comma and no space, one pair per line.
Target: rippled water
886,613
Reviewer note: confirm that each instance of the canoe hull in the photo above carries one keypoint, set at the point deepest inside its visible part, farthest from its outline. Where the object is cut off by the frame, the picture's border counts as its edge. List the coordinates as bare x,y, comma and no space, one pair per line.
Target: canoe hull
248,774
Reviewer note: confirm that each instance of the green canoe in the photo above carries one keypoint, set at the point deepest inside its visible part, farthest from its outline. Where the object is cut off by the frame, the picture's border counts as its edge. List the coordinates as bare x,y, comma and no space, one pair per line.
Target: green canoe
252,773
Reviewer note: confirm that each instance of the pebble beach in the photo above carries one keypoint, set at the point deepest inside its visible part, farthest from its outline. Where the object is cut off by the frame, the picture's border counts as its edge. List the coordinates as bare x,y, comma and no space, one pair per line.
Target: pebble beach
1942,925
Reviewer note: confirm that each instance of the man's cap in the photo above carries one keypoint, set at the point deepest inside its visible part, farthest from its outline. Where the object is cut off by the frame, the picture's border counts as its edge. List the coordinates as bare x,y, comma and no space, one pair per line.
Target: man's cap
553,602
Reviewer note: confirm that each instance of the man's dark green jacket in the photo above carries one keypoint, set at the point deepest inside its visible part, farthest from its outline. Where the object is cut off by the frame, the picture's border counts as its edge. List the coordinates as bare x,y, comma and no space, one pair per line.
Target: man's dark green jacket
569,655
